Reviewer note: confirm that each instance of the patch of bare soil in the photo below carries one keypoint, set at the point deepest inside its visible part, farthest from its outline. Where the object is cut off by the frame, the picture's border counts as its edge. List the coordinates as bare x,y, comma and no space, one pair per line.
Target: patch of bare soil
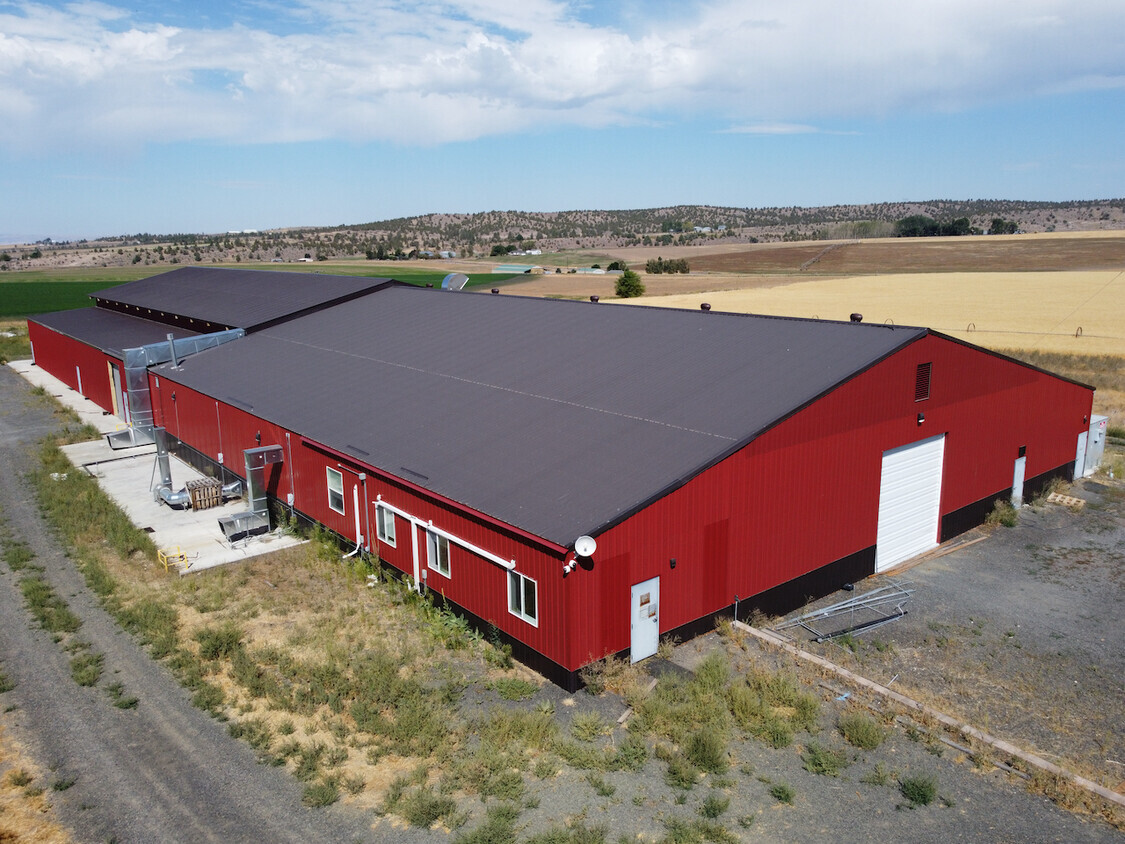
942,254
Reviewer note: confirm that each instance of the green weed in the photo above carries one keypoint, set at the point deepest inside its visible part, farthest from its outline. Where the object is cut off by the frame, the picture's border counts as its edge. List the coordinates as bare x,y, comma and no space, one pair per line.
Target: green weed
575,833
423,808
824,761
514,688
49,609
861,730
498,827
19,777
1003,513
219,642
320,794
714,805
116,692
600,786
86,668
587,726
919,790
783,793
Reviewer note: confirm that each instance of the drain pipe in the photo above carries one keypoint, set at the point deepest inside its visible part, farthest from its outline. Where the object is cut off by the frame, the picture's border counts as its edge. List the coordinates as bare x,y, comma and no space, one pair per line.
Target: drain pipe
358,535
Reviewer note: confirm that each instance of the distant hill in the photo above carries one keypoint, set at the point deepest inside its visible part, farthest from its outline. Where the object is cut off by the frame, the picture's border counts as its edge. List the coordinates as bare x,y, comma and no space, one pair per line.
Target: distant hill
480,234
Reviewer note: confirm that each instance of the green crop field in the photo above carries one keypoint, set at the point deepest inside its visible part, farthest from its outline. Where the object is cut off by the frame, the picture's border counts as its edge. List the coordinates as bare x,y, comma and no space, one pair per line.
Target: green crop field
24,298
30,292
405,274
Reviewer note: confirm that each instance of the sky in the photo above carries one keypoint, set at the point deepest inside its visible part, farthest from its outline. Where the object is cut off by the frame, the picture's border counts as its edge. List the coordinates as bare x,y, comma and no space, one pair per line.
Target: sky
168,116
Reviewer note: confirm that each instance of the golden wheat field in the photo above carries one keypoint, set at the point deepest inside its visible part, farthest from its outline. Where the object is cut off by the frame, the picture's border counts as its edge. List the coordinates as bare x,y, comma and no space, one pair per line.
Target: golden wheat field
1072,323
1070,312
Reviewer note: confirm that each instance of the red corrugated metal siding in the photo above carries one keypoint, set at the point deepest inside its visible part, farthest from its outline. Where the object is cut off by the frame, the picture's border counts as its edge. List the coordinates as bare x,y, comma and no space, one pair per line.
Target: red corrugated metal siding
479,585
806,493
475,583
59,355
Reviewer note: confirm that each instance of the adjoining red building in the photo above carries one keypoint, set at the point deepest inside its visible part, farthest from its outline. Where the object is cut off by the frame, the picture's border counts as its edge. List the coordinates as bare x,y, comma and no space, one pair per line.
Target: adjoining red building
85,348
717,461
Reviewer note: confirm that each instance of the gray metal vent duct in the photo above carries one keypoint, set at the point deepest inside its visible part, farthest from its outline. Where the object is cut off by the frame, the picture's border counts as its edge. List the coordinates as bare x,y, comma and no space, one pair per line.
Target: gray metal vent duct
163,489
256,520
137,361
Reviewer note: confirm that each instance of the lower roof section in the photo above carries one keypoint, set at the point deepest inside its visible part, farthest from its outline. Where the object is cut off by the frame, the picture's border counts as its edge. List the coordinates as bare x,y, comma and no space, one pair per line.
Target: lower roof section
110,332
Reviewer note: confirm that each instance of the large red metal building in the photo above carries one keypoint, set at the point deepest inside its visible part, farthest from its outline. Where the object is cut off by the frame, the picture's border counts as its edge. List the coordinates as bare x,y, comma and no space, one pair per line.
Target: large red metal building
588,478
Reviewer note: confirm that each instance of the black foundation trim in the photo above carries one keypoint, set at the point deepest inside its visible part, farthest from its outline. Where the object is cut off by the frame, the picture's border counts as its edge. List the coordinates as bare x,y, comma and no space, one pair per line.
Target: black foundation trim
968,517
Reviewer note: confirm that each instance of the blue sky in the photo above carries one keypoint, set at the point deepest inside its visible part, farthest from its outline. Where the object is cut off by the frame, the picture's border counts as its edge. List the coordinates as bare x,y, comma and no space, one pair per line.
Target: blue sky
177,116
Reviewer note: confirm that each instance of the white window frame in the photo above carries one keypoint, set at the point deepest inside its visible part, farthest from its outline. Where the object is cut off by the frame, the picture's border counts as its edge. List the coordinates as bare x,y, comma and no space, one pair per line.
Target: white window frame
437,552
385,525
337,490
517,597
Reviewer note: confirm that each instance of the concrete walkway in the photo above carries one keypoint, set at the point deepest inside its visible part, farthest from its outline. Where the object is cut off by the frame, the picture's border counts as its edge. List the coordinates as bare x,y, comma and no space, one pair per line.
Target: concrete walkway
128,476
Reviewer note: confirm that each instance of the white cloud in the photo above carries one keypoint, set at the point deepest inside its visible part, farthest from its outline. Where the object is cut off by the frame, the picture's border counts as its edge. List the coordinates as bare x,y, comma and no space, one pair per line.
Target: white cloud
773,129
92,74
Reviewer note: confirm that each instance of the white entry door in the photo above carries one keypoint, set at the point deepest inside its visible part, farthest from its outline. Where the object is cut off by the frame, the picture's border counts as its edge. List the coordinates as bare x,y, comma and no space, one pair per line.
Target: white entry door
909,501
1017,481
645,624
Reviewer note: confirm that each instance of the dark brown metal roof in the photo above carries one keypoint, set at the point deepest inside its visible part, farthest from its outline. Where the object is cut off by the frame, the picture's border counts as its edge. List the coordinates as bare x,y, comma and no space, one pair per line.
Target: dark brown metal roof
558,417
109,331
228,298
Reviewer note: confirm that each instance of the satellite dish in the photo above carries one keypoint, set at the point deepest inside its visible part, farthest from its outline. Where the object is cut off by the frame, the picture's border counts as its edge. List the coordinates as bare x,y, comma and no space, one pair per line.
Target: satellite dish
585,546
455,281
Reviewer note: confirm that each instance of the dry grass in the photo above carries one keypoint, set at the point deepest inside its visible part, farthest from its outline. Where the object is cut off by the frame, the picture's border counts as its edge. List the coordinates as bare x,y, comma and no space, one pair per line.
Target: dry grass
303,626
25,811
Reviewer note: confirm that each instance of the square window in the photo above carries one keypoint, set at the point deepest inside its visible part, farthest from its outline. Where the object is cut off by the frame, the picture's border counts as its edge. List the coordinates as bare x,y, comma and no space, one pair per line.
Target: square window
437,552
336,490
385,525
523,599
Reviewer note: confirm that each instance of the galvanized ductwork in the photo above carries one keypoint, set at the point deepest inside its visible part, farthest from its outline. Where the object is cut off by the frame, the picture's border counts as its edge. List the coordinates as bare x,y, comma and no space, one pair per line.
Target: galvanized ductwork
163,489
137,361
256,520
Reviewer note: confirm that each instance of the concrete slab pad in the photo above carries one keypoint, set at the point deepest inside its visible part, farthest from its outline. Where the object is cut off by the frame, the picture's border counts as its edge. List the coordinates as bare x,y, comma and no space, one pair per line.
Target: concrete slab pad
87,411
128,477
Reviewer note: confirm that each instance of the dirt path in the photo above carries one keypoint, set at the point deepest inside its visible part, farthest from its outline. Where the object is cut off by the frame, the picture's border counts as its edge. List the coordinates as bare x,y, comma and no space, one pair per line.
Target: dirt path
163,771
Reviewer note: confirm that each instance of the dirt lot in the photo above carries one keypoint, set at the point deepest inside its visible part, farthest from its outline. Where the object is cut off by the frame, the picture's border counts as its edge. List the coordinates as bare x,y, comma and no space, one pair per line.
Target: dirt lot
1003,253
1019,633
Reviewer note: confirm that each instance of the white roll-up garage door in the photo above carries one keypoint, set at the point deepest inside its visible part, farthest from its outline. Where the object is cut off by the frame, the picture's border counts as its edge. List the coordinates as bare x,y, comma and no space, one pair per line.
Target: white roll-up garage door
909,501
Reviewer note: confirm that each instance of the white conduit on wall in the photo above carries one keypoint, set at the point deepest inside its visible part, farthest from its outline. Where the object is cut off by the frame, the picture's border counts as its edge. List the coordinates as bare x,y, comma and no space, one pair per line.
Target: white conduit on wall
456,540
358,534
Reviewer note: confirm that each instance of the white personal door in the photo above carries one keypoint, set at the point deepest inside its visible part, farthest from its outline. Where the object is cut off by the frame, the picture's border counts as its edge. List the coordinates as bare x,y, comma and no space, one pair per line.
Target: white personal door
909,501
1017,481
645,624
1080,455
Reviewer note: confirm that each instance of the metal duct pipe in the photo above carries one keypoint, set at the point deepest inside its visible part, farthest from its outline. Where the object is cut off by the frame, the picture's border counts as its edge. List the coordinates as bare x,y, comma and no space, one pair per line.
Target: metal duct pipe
163,489
233,489
181,499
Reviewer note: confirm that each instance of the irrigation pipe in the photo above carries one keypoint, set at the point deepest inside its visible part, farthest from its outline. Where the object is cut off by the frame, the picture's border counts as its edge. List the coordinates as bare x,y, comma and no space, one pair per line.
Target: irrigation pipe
916,706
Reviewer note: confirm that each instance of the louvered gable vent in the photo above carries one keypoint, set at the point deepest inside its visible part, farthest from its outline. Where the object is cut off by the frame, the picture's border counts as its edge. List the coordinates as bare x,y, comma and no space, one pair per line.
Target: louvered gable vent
922,382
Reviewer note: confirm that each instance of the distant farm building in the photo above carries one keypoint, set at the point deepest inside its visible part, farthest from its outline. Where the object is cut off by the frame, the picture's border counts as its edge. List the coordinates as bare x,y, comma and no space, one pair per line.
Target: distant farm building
587,478
516,269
